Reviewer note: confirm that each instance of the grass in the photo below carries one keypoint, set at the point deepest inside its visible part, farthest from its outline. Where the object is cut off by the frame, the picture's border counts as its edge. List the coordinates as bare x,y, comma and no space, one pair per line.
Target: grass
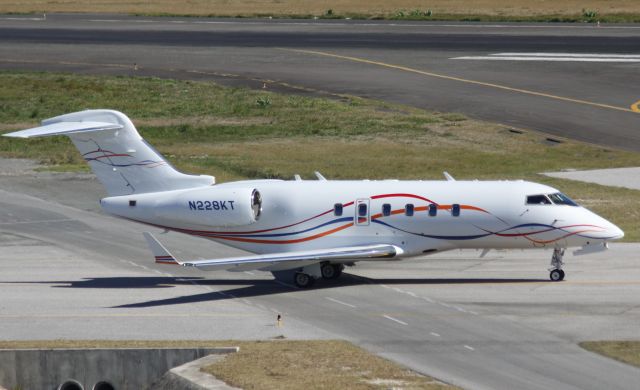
485,10
280,364
205,128
624,351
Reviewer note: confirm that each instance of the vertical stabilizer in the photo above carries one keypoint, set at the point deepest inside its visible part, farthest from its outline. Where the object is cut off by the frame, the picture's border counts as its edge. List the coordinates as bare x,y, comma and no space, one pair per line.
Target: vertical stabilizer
123,161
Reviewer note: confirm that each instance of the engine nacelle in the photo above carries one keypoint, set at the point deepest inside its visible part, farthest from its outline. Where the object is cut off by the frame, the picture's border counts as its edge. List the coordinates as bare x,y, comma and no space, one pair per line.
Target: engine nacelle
208,206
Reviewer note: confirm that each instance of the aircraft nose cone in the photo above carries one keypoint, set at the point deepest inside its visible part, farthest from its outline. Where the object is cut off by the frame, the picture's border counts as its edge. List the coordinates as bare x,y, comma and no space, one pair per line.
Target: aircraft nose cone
616,232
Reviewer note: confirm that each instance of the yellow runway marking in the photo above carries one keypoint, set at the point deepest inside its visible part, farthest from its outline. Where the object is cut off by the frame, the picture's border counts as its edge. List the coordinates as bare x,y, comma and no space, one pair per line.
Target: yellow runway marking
482,83
635,107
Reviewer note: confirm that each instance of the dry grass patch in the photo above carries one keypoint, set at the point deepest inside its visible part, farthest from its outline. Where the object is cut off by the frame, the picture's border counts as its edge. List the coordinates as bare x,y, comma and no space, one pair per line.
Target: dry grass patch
284,365
361,8
624,351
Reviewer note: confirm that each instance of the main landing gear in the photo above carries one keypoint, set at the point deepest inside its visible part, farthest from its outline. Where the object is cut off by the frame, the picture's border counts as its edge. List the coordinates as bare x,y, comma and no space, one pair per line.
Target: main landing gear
307,276
331,271
303,280
556,274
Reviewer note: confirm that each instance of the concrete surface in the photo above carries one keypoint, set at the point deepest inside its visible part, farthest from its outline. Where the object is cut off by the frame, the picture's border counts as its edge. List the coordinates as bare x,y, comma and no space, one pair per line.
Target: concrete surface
480,323
588,101
130,368
189,377
616,177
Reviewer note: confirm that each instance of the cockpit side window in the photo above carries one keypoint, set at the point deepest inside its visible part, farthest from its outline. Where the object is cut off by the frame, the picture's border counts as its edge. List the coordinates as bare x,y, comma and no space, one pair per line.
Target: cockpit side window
538,199
560,198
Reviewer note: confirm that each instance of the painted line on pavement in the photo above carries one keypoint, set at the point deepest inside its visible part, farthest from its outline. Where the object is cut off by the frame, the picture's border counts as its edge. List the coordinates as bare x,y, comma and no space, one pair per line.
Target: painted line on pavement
394,319
340,302
583,55
469,348
434,334
356,24
459,79
547,59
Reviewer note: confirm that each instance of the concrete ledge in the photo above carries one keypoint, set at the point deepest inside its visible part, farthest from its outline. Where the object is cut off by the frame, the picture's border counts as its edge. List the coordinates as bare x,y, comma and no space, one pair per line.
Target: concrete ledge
125,368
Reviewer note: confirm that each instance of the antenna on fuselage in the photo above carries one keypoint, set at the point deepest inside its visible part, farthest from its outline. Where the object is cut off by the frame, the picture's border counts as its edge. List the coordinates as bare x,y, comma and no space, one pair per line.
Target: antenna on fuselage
448,176
319,176
297,177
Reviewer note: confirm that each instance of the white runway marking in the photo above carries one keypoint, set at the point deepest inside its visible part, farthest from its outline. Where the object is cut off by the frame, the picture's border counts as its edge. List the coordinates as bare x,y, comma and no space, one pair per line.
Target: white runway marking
569,55
555,57
435,334
340,302
469,348
357,24
395,320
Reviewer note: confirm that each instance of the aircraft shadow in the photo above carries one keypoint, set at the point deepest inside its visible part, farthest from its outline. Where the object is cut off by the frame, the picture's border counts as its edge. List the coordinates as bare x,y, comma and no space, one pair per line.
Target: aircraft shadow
248,288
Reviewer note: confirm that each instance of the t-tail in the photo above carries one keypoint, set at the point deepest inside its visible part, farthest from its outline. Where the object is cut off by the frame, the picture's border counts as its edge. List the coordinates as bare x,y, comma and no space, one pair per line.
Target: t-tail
121,159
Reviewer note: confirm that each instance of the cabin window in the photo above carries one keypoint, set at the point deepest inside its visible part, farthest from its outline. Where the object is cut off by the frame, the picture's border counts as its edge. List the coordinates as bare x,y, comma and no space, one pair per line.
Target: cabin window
132,203
362,210
560,198
337,209
433,210
455,210
408,210
386,209
538,199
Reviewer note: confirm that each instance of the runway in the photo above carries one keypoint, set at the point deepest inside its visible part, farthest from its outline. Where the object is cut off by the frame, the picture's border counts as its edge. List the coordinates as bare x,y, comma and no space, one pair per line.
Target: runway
68,271
543,81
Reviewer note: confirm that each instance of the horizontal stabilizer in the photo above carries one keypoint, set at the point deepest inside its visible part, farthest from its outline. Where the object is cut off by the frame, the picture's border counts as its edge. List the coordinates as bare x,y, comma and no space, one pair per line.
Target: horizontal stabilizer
161,254
63,128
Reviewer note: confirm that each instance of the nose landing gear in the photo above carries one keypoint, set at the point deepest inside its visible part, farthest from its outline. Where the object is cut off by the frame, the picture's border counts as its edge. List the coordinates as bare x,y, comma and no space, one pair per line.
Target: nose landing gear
556,274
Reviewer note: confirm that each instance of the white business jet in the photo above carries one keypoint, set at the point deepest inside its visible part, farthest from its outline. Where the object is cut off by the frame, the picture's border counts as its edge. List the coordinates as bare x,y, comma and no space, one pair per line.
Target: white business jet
312,229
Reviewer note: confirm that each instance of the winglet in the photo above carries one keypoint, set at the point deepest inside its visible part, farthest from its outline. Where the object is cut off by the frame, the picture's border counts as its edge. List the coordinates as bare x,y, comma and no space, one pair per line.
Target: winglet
161,254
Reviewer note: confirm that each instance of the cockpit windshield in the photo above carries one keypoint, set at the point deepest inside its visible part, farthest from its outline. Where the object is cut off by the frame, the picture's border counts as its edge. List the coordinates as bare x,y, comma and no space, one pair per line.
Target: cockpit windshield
557,198
560,198
538,199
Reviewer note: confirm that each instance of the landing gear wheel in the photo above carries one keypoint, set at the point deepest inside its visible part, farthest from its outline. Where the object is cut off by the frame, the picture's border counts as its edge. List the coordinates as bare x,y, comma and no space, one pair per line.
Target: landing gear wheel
556,275
331,271
303,280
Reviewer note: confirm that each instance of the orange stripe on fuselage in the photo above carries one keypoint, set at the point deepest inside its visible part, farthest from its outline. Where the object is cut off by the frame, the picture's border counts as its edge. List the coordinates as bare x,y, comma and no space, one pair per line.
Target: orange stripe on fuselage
242,239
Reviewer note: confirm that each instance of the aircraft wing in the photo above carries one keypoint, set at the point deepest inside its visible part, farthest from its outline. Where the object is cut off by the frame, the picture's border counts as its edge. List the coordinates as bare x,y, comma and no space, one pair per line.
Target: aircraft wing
279,261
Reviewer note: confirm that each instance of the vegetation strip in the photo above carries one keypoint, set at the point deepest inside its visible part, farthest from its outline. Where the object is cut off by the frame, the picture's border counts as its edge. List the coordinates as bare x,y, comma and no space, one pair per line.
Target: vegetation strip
237,133
624,351
590,11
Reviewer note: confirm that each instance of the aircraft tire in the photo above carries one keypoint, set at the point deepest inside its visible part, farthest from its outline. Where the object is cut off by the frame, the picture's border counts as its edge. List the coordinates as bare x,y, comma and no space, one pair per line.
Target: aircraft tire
328,271
556,275
303,280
